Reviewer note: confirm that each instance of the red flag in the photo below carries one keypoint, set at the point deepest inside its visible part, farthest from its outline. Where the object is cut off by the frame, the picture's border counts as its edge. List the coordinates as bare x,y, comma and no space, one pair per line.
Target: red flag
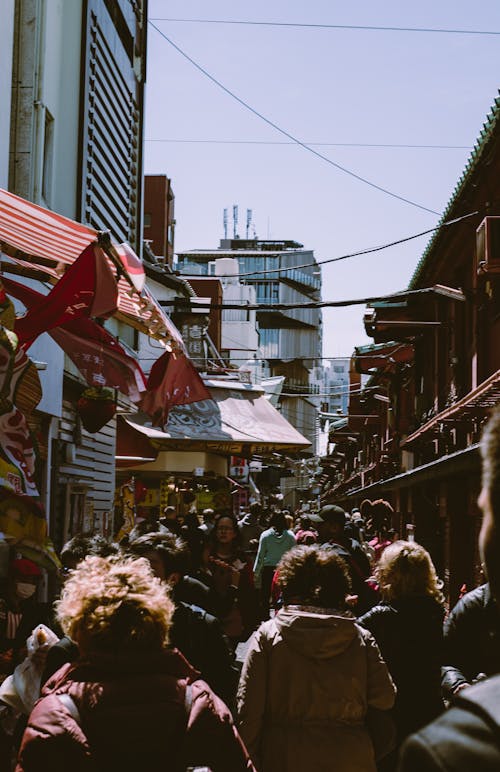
88,288
173,380
99,357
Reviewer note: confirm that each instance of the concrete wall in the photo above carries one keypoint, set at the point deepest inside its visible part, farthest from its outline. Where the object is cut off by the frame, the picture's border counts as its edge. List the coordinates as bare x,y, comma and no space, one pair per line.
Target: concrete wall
6,52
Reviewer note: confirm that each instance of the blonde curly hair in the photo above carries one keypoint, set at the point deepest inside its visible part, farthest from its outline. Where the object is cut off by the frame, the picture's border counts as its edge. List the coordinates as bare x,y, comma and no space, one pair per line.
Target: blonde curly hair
115,605
405,569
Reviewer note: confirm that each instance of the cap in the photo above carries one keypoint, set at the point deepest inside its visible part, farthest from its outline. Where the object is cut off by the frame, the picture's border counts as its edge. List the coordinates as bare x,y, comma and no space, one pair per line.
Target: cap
306,537
331,513
25,567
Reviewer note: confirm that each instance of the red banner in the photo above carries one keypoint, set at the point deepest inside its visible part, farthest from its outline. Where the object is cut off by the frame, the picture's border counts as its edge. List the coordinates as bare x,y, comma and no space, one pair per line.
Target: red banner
88,288
173,380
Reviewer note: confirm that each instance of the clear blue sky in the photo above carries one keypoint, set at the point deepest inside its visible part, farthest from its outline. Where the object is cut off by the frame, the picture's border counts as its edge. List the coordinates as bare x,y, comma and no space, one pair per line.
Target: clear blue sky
322,85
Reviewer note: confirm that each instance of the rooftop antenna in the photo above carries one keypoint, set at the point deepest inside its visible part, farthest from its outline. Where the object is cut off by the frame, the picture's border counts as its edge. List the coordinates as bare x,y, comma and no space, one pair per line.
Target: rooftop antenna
224,220
249,221
235,221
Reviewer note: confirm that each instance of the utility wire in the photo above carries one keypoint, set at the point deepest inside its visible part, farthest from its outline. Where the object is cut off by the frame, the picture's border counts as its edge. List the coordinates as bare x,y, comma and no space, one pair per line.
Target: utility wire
256,274
286,133
311,144
290,306
372,28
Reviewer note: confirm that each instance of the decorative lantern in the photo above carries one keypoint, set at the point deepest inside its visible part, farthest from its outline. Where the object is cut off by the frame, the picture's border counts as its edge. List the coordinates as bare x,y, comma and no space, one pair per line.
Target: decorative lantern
96,407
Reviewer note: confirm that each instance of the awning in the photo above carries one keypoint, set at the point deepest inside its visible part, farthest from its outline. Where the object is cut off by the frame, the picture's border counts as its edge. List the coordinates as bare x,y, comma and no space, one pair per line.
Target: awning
37,238
476,404
238,420
383,357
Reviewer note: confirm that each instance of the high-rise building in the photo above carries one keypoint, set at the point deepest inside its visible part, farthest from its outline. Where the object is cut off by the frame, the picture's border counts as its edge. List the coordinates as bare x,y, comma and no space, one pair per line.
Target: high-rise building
283,274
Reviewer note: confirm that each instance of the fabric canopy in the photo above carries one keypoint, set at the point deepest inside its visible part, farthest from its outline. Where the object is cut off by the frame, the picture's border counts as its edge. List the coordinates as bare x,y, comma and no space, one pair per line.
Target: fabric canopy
35,237
238,420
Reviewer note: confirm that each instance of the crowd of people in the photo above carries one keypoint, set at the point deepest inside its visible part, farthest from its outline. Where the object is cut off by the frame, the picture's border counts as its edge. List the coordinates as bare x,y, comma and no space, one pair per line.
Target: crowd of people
273,642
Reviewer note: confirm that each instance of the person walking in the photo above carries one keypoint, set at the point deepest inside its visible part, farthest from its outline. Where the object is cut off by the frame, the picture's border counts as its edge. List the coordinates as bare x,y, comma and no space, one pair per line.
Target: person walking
129,702
466,737
311,675
273,544
408,627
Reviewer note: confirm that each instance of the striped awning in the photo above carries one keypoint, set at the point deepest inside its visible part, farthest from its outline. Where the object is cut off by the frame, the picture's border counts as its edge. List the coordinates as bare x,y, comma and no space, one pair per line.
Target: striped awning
37,238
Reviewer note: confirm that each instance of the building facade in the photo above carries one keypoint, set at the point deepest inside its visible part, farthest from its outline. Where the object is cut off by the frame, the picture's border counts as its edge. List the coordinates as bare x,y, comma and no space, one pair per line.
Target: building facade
283,274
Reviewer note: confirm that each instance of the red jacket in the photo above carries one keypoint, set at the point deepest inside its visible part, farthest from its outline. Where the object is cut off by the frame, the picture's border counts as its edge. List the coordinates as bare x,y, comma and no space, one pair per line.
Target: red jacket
131,716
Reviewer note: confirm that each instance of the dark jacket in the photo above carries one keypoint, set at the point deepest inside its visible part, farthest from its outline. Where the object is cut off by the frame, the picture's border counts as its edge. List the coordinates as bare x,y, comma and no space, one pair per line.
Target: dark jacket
464,739
33,614
359,570
131,715
409,633
471,640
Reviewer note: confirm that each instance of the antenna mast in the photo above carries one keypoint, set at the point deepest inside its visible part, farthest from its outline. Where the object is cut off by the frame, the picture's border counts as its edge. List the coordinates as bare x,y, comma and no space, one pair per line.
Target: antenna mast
249,221
224,220
235,221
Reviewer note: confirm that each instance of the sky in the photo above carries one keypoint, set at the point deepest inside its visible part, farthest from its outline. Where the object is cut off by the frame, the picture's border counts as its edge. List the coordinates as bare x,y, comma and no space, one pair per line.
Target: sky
340,86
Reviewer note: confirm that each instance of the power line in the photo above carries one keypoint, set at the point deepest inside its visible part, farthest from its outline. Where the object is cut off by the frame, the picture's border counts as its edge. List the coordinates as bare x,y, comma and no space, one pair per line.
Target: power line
286,133
290,306
370,250
311,144
372,28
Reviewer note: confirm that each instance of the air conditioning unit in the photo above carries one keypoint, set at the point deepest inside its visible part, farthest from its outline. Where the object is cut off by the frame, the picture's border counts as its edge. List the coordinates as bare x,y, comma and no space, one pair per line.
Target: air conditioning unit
488,246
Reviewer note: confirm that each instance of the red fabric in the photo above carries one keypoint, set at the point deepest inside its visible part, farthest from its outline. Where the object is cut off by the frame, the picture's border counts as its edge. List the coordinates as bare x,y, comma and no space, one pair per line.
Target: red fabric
173,380
88,288
99,357
24,567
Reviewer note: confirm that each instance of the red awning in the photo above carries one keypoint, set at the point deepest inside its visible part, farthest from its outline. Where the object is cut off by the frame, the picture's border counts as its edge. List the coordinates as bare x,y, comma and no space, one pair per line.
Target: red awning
35,237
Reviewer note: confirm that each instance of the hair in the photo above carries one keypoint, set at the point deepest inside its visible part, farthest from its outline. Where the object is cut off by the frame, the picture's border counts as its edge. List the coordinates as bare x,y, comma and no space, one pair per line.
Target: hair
172,550
405,569
278,522
305,522
365,508
80,546
115,606
490,453
381,514
314,576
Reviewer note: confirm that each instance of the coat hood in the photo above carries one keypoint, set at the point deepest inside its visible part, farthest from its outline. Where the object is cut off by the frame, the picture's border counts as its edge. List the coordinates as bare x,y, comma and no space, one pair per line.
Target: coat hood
316,635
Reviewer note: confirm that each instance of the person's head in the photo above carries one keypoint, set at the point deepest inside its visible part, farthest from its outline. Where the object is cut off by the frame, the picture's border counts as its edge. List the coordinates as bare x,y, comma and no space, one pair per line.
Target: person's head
405,570
365,509
208,515
305,522
381,514
225,533
331,522
313,576
169,513
167,554
80,546
115,607
489,502
278,522
24,578
255,509
306,537
144,527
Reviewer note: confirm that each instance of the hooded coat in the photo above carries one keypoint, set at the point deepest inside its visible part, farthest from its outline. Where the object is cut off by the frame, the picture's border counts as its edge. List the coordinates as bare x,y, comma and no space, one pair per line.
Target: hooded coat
306,685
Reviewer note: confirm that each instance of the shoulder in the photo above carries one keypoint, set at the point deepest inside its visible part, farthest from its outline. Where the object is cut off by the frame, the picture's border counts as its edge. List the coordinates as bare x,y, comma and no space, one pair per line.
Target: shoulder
379,614
458,741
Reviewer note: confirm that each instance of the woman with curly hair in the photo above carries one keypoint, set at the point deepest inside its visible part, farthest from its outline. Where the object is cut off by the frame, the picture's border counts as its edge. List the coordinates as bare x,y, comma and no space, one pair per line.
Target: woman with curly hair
408,627
311,675
129,702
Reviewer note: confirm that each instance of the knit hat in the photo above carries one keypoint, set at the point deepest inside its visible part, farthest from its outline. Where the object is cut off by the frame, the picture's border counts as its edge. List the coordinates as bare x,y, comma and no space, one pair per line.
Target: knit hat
23,567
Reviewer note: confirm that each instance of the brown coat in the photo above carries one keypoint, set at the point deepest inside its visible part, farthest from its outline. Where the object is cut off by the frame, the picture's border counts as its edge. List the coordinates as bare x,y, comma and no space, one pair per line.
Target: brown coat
307,682
131,716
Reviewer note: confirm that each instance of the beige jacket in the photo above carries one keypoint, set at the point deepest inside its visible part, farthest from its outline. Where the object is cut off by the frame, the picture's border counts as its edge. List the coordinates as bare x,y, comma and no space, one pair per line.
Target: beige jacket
305,687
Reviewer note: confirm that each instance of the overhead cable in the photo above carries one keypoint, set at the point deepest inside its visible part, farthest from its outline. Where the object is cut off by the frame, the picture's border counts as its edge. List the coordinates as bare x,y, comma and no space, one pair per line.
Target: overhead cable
209,306
287,133
256,274
368,27
312,144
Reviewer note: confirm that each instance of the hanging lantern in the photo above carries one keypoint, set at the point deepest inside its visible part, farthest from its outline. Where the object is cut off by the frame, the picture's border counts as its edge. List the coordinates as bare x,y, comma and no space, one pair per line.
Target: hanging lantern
96,407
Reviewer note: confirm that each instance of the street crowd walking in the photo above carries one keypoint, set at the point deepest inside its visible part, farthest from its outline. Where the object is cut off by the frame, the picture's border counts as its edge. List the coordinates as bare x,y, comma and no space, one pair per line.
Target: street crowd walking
351,660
